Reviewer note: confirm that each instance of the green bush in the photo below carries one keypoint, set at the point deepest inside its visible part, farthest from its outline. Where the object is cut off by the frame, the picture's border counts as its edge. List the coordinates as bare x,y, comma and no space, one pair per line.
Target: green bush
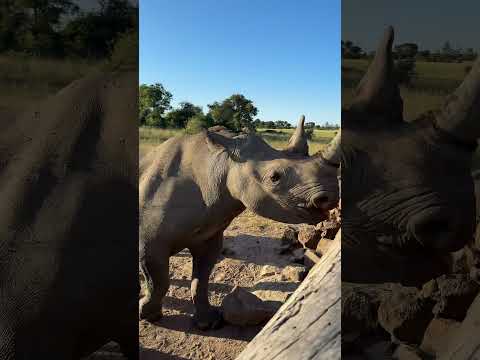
196,124
125,53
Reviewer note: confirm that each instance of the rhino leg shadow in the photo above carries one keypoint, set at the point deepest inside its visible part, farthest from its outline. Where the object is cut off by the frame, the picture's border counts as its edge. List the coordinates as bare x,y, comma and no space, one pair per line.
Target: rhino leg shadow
156,273
205,256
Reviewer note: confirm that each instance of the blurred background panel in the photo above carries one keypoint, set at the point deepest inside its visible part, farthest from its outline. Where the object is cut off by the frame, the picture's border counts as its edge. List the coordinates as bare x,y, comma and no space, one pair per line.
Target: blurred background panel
68,175
410,179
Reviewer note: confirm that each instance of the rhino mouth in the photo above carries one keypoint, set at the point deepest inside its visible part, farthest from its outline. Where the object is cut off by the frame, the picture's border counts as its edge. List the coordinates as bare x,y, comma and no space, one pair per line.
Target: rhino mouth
312,214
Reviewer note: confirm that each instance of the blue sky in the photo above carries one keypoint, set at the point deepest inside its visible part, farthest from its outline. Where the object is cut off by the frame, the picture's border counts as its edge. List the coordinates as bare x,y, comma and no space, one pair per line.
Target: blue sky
429,23
283,55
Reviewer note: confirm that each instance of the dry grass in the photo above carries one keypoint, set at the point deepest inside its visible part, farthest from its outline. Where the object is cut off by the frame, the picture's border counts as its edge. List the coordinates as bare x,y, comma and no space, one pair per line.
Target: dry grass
433,83
415,103
24,79
150,137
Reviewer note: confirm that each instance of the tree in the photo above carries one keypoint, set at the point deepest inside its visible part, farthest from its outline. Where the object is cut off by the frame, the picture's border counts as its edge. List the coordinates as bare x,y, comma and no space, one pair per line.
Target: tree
153,101
351,51
93,34
197,123
44,17
179,117
405,71
235,112
281,124
406,50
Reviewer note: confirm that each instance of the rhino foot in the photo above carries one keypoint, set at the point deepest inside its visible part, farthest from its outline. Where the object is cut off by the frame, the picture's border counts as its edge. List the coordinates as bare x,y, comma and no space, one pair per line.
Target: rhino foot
209,320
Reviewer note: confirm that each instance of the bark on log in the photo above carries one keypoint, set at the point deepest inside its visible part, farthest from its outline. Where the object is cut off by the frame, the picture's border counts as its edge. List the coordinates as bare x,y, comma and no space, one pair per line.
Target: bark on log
308,325
465,342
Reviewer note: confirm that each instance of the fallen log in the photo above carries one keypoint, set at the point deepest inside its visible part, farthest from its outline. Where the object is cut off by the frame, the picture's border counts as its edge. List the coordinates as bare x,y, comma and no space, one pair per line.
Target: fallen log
465,342
308,325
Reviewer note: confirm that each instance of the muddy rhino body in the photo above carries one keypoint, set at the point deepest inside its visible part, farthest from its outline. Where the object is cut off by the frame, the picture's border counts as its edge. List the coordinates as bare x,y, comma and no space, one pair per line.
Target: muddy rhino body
68,223
192,187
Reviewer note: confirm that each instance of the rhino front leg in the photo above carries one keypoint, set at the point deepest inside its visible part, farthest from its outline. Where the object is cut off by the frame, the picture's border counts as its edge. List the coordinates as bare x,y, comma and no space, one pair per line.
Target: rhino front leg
155,272
204,258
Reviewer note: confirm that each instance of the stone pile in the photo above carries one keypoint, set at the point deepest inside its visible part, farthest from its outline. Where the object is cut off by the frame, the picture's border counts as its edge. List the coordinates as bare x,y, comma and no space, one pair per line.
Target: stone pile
308,243
275,284
441,320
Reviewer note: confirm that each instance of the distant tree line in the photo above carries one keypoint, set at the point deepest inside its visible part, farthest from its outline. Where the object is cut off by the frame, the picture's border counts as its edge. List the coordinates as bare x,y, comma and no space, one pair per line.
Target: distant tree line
60,29
411,51
280,124
235,112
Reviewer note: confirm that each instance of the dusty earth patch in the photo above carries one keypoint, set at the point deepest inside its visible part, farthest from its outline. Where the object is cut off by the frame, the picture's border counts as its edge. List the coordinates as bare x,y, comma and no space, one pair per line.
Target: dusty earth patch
254,258
251,260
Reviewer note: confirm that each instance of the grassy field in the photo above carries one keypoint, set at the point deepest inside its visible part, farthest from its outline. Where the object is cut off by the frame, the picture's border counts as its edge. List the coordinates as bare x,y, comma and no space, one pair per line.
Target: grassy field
277,138
428,91
25,79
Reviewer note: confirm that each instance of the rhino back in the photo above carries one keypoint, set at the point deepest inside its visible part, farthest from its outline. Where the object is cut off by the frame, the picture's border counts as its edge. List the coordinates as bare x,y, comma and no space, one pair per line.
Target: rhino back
183,191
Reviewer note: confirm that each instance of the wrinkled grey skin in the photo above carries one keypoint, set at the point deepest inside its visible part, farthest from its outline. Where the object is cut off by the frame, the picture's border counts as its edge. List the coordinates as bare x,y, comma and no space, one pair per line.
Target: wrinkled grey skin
68,223
192,187
407,190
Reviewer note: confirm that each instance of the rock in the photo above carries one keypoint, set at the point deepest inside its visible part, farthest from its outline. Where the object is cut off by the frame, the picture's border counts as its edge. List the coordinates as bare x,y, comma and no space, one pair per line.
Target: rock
309,237
297,256
241,307
359,312
219,277
405,315
269,270
459,263
429,289
405,352
456,293
379,351
274,298
328,229
310,258
294,273
323,246
290,236
228,252
437,335
475,274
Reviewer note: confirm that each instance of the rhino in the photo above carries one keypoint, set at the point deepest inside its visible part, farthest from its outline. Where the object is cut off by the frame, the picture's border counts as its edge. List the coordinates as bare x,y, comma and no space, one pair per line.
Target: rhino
407,190
192,187
69,222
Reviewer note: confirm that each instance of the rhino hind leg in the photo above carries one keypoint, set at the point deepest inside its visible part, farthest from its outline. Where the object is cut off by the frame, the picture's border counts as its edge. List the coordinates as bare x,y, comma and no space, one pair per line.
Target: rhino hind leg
155,272
204,258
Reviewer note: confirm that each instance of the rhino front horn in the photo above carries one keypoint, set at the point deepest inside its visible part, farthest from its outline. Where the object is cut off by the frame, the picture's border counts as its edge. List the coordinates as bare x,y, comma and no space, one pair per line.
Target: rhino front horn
332,152
461,112
298,142
378,92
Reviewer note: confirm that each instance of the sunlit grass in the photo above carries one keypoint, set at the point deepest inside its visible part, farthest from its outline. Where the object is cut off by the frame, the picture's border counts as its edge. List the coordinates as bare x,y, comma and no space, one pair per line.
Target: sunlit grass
277,138
24,79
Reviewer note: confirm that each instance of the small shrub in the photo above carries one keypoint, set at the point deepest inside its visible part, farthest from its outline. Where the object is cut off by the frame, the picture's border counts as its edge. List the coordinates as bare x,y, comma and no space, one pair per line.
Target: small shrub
196,124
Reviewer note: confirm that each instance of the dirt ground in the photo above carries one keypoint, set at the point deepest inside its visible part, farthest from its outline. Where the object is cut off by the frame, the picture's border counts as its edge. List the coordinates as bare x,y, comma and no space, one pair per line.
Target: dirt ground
251,260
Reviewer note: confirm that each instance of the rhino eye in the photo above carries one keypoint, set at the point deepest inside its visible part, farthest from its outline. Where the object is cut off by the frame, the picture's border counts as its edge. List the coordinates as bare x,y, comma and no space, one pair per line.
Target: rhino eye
275,177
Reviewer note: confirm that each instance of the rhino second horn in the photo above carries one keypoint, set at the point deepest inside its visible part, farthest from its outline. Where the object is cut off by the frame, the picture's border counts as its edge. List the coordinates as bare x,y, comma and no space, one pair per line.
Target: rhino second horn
378,91
332,152
460,115
298,142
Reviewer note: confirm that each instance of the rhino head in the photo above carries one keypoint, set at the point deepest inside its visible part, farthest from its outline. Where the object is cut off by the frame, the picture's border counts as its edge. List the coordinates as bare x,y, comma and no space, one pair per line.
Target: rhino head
283,185
407,187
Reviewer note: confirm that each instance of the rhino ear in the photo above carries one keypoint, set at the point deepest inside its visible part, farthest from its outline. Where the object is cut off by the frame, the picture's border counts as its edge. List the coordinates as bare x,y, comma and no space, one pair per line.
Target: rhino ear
298,142
218,141
378,91
215,141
